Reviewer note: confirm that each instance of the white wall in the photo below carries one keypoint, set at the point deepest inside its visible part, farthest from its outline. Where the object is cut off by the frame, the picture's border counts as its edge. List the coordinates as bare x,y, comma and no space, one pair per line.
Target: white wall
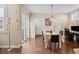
32,30
39,21
15,24
61,21
39,25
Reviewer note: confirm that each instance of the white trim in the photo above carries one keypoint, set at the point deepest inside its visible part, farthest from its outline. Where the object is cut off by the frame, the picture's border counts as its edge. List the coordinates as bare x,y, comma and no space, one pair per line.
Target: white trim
4,46
12,46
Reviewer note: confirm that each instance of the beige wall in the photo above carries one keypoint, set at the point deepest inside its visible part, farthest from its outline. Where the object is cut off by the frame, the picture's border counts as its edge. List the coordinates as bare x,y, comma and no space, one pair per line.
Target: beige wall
15,25
69,22
24,10
13,14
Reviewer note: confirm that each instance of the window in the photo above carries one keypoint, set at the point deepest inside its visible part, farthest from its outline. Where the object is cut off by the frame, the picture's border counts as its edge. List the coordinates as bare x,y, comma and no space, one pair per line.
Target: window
75,15
74,18
1,19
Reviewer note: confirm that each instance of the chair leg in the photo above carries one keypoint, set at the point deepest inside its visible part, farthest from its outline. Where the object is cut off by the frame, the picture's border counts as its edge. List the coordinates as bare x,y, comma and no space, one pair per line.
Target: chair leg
58,45
55,45
50,46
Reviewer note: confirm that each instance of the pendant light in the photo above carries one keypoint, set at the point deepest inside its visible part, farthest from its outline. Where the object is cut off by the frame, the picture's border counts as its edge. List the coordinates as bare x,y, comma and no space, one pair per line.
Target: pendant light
51,12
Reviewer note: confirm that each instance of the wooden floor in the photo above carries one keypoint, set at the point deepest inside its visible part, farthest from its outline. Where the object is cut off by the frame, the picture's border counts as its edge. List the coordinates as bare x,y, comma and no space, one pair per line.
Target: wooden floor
36,46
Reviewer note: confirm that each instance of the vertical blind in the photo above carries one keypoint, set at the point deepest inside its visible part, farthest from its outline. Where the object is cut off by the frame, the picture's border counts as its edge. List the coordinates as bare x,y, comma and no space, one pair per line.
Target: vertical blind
1,19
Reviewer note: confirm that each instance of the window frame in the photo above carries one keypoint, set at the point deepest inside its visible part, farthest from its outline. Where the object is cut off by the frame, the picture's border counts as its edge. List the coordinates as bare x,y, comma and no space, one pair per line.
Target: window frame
5,18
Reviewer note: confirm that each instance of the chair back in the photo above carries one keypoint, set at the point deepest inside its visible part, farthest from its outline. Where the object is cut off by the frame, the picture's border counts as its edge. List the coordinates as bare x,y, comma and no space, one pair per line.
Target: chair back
43,35
66,32
54,38
61,33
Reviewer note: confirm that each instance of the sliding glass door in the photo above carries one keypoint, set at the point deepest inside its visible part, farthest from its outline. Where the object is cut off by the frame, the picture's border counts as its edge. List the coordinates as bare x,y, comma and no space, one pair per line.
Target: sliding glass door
25,28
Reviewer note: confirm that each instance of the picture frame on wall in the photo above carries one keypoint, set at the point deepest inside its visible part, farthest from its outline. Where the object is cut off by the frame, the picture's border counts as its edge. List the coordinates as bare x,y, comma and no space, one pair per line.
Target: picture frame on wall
47,22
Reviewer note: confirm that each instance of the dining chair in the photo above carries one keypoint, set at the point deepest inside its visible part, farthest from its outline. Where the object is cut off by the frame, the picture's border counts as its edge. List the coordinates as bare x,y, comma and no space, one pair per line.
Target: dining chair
54,39
43,38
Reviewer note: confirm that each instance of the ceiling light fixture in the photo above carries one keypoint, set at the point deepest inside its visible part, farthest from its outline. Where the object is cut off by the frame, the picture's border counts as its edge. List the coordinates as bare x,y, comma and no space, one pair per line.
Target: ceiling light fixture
51,12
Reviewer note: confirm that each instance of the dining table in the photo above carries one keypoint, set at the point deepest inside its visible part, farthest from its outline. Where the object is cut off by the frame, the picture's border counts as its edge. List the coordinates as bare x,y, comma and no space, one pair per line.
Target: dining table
47,37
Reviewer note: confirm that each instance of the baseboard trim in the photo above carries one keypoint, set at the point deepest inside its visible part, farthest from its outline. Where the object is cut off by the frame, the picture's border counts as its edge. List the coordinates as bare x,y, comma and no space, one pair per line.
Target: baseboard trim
18,46
12,46
4,46
25,41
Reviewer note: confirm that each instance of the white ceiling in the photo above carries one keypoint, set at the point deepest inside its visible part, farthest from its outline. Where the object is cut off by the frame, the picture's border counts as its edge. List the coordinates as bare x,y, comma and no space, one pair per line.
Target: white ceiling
46,8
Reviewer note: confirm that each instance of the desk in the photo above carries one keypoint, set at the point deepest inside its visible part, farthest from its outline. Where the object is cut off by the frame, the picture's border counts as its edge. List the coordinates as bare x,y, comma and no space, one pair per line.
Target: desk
75,32
75,35
48,36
